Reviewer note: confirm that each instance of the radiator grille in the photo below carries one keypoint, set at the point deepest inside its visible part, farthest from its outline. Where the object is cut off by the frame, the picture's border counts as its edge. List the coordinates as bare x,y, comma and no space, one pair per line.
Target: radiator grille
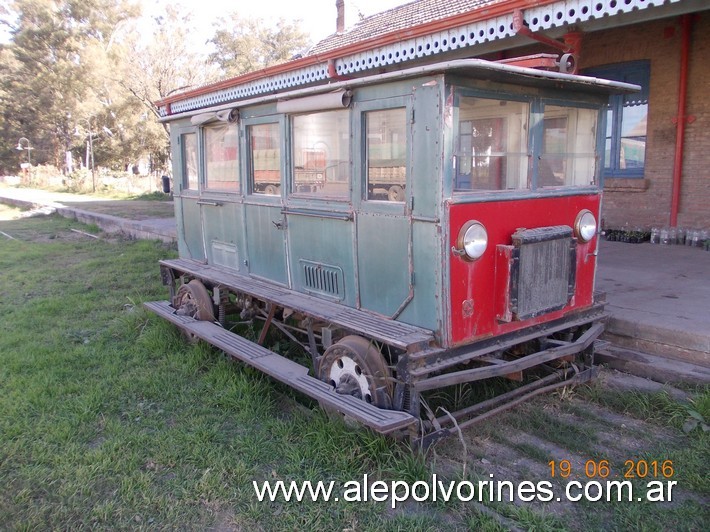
323,279
543,275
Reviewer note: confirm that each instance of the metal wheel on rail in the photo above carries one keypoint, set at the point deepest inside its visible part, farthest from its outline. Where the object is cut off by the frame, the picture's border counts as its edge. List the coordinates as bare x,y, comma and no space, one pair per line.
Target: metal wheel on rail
354,366
194,300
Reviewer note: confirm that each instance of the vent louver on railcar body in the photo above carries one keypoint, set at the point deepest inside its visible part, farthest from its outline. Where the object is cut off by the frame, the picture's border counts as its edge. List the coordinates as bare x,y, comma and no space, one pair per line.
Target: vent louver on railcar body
323,279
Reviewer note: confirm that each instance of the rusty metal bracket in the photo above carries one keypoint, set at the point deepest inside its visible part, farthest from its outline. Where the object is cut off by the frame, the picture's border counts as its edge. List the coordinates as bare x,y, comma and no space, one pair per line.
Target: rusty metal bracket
527,362
267,324
687,119
492,407
569,49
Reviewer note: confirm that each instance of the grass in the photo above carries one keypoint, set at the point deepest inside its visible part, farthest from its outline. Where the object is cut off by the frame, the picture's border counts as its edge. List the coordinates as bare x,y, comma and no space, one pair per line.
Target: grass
108,419
151,196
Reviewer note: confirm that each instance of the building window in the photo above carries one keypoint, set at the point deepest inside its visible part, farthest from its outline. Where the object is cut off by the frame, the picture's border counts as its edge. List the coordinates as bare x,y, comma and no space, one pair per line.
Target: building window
626,120
221,158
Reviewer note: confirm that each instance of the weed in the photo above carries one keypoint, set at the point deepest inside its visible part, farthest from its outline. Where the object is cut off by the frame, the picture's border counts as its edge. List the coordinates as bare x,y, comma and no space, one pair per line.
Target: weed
152,196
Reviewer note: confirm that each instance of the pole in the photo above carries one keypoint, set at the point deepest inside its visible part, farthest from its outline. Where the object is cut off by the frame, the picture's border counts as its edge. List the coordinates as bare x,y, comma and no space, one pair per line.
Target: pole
93,168
681,118
29,156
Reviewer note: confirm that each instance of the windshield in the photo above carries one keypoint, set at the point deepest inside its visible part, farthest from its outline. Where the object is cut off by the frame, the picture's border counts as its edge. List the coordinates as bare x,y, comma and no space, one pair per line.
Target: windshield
495,147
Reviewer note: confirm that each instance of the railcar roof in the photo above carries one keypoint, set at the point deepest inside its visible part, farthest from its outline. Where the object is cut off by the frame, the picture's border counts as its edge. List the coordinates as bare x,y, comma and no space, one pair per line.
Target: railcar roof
471,68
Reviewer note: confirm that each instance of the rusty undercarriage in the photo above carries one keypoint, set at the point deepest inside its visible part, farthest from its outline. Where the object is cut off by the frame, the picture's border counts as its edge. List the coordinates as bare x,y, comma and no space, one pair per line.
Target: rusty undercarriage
385,399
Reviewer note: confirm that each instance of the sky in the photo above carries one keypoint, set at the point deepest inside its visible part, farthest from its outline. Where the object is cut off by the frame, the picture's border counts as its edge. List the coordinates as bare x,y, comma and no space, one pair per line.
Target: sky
318,16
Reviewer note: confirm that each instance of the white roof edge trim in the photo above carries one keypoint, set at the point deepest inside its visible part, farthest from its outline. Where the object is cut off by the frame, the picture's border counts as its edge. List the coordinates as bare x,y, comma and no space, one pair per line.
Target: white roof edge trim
436,68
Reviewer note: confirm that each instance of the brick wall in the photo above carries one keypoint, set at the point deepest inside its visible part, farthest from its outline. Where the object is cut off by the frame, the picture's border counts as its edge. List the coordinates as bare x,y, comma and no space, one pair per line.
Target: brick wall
646,202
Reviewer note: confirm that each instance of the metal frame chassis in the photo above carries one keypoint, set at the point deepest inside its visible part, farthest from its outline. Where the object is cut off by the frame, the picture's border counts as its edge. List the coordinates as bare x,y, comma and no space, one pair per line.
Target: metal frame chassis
421,367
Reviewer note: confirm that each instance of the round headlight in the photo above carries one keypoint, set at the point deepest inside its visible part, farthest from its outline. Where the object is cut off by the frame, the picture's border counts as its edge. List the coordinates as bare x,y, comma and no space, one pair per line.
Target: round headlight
585,226
472,240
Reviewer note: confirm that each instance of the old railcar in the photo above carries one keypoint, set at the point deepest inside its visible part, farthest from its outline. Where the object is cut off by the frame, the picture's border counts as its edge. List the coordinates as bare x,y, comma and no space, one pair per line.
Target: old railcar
413,230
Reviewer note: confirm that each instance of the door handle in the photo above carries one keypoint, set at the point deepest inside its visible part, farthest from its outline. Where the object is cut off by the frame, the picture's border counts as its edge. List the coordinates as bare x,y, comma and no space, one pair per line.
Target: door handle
280,224
212,203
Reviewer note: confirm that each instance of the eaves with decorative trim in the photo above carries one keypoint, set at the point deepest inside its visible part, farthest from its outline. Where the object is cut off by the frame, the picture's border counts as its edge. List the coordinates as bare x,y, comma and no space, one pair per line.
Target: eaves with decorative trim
433,40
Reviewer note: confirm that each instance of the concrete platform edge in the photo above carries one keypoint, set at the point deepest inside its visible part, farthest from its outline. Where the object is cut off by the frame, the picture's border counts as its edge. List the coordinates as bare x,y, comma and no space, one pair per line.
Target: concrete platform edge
108,223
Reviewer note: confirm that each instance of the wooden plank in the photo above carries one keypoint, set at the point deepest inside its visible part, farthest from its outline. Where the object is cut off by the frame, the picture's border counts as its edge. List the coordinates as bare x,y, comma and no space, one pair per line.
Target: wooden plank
286,371
371,325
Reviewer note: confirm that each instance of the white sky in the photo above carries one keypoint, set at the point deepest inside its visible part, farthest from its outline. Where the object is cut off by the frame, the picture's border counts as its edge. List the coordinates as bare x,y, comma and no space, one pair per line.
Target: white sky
318,16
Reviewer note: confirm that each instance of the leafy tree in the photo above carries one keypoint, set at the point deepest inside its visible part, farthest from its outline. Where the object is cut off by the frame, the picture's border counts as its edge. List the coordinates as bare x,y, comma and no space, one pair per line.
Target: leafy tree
57,69
80,69
246,44
155,68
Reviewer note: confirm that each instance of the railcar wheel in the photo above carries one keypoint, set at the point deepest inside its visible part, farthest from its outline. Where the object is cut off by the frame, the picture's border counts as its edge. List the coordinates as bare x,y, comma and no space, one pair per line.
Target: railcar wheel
395,193
354,366
193,300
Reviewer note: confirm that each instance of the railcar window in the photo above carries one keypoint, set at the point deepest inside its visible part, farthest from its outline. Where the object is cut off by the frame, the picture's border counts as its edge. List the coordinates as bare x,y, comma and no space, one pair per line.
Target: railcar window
567,157
386,154
491,146
321,154
189,159
221,157
265,167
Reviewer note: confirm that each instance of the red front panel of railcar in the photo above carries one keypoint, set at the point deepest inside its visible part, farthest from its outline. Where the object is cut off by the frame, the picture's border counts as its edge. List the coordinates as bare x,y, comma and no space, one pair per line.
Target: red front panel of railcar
478,289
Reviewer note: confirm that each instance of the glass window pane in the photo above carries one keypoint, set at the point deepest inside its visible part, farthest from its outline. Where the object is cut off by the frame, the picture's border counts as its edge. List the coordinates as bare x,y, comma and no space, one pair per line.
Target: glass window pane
221,157
491,145
632,150
321,154
626,119
567,157
189,158
265,169
386,154
608,138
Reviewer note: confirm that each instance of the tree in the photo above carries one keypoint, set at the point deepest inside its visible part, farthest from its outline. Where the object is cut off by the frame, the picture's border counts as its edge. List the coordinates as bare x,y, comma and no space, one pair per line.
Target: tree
153,69
247,44
57,69
76,69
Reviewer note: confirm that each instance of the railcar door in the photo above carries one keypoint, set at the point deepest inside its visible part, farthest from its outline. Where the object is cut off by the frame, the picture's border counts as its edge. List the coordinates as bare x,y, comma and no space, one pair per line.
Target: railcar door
220,207
318,210
383,224
187,195
265,223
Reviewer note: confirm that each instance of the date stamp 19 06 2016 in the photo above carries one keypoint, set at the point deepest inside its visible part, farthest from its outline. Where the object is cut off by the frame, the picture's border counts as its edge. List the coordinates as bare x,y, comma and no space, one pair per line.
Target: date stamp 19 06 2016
632,469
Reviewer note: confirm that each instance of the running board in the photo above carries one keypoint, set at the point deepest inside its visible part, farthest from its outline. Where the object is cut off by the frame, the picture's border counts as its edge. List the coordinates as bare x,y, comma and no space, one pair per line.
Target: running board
286,371
400,335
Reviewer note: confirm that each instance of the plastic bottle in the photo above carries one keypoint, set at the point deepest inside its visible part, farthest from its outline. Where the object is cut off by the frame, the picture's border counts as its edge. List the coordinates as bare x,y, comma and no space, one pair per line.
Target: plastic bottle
655,235
689,235
680,236
664,236
696,242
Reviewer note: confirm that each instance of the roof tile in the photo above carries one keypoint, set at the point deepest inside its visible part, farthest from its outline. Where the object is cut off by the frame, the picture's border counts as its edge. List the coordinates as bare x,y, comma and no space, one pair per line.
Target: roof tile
398,18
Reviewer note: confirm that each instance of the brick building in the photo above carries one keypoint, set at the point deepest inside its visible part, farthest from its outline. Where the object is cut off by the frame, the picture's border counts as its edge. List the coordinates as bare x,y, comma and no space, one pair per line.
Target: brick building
657,165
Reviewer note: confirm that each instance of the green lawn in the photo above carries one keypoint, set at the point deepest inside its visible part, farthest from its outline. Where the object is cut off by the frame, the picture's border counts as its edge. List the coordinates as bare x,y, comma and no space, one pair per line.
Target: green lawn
108,419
